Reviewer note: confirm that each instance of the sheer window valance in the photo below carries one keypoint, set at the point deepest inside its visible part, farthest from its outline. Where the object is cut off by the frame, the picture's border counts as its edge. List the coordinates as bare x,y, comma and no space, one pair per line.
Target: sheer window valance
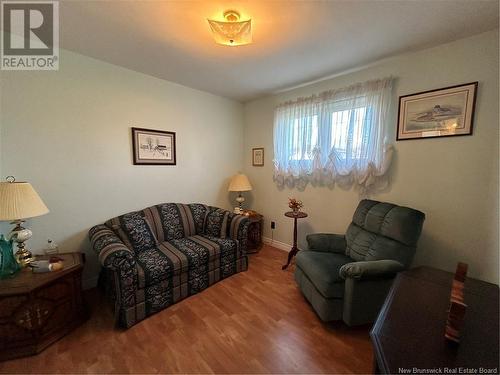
337,136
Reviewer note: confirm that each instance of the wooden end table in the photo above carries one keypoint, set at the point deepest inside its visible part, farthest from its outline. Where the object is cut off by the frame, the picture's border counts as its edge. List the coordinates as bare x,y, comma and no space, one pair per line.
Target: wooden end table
36,309
295,249
254,238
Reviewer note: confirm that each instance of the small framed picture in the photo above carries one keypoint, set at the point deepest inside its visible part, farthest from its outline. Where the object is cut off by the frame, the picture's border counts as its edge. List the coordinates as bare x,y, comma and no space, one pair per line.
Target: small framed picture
258,157
153,147
437,113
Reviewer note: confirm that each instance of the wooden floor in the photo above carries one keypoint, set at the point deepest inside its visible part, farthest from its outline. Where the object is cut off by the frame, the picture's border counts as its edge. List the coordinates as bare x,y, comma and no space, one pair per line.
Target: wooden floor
253,322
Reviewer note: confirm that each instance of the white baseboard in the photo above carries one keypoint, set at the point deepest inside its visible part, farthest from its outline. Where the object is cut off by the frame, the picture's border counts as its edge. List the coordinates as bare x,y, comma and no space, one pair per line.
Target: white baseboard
277,244
90,283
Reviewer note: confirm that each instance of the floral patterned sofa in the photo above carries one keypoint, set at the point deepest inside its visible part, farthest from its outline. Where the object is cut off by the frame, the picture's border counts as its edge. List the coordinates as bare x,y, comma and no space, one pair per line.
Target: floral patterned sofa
158,256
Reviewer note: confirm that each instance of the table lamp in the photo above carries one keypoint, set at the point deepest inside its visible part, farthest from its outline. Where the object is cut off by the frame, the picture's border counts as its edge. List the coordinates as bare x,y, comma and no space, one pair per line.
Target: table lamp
239,183
19,201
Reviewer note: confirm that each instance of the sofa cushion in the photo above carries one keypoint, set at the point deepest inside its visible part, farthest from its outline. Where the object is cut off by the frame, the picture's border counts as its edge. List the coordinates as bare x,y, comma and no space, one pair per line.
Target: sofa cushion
216,224
166,221
176,221
322,269
135,230
184,259
155,265
229,248
199,213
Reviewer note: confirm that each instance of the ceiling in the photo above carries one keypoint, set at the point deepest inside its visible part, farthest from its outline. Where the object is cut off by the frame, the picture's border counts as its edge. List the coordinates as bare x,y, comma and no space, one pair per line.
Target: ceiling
294,41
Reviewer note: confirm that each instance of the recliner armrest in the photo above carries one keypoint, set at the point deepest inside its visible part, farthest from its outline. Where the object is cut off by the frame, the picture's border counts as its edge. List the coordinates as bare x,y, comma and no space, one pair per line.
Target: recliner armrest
326,242
371,269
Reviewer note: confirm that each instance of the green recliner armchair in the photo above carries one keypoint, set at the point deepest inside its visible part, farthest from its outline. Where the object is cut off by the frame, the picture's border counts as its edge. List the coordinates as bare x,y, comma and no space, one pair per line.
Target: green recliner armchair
347,277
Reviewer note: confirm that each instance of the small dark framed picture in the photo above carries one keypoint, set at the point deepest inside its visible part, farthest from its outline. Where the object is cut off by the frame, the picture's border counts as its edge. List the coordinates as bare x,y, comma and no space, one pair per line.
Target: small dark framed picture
258,157
153,147
443,112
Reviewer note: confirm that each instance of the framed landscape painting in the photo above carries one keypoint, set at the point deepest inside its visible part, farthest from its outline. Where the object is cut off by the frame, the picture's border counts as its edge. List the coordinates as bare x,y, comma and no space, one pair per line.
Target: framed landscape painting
437,113
153,147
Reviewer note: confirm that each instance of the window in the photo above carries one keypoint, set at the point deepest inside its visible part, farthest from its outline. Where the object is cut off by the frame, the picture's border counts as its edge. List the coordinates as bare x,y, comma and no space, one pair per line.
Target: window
333,135
358,122
305,133
305,138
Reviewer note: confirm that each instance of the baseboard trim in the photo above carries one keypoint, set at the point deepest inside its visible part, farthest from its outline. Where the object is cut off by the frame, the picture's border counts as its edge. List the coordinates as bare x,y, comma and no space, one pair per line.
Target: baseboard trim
277,244
90,283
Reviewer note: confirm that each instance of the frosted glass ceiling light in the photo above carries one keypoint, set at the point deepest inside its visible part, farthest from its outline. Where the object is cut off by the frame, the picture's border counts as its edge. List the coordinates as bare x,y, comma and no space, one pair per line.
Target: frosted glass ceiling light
232,31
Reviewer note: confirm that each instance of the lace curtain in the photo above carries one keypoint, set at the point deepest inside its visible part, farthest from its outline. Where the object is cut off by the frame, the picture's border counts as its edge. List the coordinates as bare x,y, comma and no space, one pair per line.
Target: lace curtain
337,136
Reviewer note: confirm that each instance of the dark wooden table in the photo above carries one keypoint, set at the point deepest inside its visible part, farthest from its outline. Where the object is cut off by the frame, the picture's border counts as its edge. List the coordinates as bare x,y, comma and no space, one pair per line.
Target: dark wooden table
254,239
37,309
409,331
294,250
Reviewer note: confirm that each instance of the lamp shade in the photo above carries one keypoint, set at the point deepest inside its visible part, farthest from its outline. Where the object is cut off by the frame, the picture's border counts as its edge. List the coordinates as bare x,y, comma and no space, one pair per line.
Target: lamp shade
239,182
18,200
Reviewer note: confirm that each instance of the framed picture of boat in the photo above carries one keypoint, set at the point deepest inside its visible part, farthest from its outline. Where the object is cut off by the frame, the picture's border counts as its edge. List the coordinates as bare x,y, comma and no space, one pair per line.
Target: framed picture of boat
153,147
437,113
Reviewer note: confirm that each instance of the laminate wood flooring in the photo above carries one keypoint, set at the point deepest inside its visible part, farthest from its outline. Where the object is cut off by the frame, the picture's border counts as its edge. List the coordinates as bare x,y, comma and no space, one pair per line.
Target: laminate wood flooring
253,322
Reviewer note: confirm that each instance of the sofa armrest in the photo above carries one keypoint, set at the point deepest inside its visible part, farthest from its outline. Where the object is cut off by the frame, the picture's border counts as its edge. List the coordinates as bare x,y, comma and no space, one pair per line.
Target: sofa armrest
238,230
111,251
118,258
326,242
371,269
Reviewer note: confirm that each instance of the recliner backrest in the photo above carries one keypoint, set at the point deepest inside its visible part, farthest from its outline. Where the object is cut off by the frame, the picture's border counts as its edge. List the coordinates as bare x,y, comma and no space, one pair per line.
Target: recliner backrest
384,231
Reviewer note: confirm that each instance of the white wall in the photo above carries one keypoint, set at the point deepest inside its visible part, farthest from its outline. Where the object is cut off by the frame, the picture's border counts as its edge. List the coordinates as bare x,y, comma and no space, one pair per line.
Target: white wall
68,133
453,180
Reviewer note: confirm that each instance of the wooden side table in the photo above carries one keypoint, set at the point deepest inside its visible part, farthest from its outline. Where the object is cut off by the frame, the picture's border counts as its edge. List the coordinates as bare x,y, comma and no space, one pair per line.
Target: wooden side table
254,240
295,249
36,309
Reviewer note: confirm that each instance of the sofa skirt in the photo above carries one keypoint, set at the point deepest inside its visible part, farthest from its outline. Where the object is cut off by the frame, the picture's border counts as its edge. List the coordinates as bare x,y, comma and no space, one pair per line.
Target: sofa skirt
154,298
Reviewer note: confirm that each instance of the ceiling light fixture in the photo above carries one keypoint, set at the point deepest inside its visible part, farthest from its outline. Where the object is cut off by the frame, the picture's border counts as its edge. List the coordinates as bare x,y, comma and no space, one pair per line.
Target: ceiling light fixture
232,31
